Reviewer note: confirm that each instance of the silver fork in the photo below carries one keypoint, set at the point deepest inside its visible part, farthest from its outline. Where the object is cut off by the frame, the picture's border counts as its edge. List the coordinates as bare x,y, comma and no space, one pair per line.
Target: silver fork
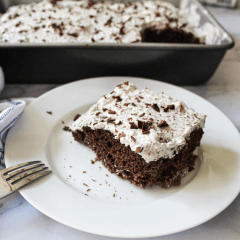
15,177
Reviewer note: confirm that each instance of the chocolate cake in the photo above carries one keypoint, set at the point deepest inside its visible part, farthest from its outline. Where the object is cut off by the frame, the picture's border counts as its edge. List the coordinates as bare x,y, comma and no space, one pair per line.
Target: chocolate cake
94,21
145,137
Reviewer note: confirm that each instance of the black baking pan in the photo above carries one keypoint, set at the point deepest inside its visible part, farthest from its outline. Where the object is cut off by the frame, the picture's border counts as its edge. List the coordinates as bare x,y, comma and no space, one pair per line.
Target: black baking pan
180,64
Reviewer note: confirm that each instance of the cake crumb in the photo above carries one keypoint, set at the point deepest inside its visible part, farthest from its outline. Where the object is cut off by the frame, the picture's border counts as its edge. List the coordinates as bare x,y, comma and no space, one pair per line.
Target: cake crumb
88,189
67,129
114,195
63,122
85,184
107,175
49,112
84,171
70,175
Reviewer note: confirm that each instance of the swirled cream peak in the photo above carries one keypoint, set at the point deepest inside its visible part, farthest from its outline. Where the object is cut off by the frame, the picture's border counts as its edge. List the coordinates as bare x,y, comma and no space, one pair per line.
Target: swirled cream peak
85,21
152,124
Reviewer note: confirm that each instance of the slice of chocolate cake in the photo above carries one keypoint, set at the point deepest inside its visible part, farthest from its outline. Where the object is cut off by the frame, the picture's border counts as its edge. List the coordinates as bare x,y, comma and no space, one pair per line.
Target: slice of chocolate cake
143,136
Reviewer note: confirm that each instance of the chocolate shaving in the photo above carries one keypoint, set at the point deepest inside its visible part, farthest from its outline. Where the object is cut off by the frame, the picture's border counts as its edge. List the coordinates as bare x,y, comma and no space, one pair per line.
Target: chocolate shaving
105,109
171,106
91,3
121,135
155,107
18,24
126,83
109,21
126,104
54,2
165,109
133,125
111,112
118,123
60,27
140,124
121,31
145,126
76,117
98,113
142,115
67,129
146,132
163,123
134,104
181,107
49,112
110,120
73,35
138,100
138,149
133,138
118,99
141,97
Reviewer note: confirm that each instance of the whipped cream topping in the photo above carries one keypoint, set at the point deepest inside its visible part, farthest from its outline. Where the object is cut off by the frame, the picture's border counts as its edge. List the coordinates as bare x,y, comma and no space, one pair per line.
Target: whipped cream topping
152,124
84,21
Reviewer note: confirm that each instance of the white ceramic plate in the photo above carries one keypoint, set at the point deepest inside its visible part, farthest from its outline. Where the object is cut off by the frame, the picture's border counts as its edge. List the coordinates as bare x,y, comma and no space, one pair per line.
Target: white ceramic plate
133,212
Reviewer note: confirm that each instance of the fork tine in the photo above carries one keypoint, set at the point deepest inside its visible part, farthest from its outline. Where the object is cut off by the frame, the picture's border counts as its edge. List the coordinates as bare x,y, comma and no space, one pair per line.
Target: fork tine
25,174
9,169
22,170
29,179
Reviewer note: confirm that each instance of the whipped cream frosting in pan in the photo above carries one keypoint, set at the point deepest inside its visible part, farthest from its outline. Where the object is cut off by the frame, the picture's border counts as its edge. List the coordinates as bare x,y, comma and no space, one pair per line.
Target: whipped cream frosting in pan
152,124
83,21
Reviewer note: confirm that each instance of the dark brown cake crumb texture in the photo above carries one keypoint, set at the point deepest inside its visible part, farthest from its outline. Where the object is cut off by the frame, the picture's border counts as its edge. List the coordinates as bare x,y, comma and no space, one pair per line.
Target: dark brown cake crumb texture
119,159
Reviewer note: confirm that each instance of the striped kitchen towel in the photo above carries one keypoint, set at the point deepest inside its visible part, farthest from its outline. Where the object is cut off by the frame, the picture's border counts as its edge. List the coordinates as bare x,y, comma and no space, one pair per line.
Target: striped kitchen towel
9,113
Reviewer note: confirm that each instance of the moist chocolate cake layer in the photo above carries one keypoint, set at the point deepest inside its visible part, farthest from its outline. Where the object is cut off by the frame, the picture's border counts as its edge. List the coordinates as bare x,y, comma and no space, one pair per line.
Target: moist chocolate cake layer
119,159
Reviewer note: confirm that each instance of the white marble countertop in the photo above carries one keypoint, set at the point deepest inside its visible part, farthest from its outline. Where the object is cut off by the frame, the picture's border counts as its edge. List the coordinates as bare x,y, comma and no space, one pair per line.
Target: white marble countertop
19,220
